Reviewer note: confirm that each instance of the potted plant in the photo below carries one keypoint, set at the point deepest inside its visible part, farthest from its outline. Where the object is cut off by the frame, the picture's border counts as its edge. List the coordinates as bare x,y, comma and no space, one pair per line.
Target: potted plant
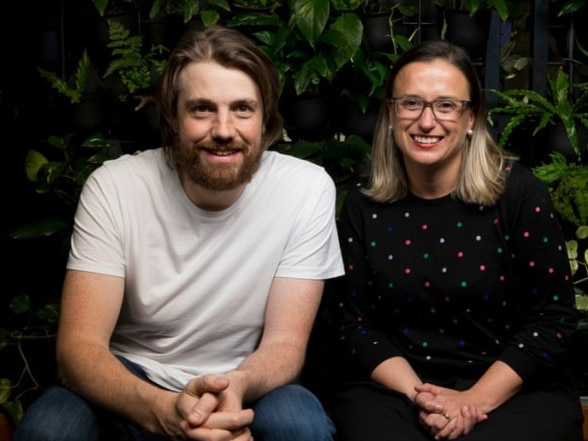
565,106
309,43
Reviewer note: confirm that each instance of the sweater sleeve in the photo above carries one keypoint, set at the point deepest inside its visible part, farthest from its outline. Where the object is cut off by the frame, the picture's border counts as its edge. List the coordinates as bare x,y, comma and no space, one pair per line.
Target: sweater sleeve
362,341
541,269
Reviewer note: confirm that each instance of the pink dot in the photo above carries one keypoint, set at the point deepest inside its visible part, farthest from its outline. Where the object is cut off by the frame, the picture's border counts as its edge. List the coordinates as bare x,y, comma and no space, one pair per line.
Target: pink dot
427,284
407,242
460,254
425,226
526,234
482,267
351,267
550,270
501,278
558,335
407,270
537,209
495,221
531,264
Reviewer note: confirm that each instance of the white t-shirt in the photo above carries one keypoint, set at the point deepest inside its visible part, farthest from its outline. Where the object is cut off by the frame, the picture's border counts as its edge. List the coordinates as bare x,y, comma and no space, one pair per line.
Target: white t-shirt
196,282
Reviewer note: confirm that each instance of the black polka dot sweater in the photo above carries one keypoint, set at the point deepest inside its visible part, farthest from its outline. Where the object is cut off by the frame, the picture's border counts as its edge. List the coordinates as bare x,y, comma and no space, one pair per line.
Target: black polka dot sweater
453,286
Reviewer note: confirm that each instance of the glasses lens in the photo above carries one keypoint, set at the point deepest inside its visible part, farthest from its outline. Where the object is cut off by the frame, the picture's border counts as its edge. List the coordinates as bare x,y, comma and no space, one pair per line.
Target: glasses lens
412,108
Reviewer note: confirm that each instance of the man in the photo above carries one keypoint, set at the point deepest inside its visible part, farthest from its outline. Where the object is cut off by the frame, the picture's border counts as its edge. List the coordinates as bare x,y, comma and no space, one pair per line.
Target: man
196,270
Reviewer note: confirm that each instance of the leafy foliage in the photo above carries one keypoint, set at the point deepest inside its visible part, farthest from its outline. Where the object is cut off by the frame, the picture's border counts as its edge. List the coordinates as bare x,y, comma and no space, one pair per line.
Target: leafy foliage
568,186
529,106
38,324
73,91
128,60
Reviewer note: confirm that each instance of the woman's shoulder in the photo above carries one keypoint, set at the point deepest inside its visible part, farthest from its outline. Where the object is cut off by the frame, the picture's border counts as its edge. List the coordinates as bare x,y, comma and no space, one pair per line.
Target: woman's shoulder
521,180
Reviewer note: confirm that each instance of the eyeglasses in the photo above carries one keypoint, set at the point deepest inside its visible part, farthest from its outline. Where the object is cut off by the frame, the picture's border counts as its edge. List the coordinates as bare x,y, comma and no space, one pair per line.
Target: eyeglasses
443,110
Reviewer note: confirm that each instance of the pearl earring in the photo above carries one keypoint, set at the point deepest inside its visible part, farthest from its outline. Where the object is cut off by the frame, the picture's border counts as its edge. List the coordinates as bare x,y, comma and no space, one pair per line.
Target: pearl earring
470,133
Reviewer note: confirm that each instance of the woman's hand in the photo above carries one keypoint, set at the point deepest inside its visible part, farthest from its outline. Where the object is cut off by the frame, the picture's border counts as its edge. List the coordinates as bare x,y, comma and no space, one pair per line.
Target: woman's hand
447,413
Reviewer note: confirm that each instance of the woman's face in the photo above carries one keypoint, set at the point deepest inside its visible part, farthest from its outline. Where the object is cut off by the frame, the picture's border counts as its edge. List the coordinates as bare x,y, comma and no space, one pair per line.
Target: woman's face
426,140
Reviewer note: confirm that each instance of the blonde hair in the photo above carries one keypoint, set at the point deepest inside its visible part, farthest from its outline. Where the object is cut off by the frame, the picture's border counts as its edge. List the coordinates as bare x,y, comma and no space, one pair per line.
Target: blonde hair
482,176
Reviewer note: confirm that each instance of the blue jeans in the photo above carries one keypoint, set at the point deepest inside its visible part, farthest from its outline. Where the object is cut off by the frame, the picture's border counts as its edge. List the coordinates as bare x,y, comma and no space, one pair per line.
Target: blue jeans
288,413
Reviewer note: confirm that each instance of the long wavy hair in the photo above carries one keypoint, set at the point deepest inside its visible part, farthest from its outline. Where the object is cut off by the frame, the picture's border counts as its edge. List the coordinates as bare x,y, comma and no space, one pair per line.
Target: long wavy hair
482,176
233,50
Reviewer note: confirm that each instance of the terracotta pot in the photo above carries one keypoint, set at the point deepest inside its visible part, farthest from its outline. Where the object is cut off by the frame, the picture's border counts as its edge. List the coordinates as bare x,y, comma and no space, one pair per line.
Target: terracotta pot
6,428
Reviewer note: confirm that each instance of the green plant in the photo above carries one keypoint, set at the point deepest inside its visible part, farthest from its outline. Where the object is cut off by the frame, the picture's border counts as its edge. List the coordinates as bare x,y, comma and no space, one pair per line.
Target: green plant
369,68
473,6
34,325
307,43
560,106
75,88
342,157
113,6
188,9
134,67
63,177
568,186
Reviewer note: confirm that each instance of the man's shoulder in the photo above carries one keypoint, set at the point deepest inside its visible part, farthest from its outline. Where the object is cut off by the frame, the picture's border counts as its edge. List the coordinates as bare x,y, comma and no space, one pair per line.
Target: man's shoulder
285,163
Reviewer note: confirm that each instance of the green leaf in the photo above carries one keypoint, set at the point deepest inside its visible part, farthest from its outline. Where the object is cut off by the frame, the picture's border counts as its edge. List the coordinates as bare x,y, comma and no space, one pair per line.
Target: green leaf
209,17
191,8
20,303
43,228
345,36
100,6
582,232
48,313
311,17
5,388
34,161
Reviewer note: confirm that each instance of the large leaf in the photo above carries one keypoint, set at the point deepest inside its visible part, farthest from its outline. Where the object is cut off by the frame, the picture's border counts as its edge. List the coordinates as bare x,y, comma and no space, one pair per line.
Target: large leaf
345,36
311,17
34,161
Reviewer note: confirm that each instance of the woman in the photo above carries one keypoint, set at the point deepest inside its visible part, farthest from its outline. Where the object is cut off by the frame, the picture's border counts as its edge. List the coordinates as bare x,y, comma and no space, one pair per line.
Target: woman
457,306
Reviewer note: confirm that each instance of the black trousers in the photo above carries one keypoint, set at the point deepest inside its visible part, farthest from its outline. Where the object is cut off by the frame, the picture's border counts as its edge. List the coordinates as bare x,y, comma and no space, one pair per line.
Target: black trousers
365,411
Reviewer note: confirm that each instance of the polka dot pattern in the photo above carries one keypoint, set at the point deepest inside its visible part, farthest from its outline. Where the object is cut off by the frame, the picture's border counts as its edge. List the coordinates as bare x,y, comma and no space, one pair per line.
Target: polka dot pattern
444,282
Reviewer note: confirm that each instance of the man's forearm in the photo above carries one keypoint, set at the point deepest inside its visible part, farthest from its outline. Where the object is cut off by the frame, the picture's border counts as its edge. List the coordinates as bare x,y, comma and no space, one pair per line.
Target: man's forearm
269,367
97,375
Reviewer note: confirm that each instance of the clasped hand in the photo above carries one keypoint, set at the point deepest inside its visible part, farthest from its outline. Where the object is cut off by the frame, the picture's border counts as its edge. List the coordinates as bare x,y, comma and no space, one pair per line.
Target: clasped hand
446,413
212,411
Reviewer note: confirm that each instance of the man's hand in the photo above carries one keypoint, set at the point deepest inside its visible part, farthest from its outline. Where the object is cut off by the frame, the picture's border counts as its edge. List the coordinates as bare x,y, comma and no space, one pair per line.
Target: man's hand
212,411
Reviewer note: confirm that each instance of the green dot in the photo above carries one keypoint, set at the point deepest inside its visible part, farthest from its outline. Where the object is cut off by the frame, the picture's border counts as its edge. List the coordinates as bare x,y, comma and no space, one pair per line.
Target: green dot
499,250
373,243
545,239
426,256
464,284
424,344
459,224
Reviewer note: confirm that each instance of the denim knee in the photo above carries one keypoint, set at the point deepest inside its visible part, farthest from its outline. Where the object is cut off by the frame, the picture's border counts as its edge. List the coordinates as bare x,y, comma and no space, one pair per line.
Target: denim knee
291,413
58,415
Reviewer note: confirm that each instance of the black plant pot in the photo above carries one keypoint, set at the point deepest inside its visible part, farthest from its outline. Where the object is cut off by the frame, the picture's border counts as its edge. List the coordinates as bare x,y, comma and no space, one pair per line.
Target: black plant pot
470,33
307,117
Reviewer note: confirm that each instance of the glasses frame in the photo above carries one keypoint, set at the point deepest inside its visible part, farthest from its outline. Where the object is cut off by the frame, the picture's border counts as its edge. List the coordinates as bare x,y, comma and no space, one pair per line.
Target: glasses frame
463,105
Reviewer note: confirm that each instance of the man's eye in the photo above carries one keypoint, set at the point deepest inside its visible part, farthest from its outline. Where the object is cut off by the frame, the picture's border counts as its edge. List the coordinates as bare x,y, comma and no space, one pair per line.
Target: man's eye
201,108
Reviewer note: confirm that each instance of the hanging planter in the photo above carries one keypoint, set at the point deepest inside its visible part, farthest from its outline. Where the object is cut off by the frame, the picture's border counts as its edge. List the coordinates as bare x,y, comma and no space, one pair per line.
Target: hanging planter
466,31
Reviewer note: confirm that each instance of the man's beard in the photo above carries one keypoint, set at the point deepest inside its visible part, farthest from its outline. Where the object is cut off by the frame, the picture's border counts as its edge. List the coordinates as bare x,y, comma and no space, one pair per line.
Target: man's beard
216,176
